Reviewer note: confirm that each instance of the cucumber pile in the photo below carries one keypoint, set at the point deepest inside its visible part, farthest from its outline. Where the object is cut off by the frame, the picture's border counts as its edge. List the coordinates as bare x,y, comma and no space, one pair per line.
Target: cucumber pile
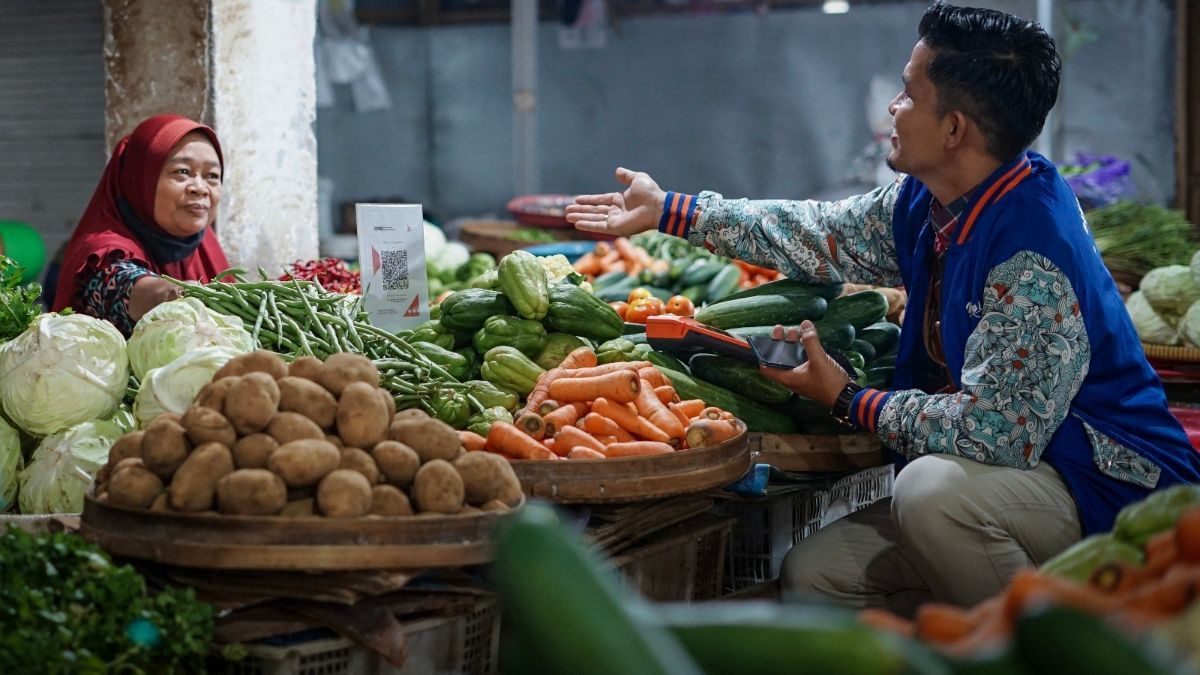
680,269
851,325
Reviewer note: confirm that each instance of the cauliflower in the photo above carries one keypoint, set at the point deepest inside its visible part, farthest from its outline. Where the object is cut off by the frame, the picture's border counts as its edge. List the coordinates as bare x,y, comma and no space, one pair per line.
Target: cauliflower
558,268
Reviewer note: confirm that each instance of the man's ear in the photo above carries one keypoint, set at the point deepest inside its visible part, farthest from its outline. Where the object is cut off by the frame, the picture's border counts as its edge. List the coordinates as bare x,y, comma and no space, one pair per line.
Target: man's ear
955,125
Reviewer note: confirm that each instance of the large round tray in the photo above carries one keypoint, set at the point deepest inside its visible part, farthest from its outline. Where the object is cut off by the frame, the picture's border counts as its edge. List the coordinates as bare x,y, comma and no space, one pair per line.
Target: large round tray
274,543
629,479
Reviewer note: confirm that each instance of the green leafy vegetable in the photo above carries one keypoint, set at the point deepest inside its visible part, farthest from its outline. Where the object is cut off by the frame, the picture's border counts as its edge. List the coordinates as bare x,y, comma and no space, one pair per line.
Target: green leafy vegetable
66,608
1134,238
18,304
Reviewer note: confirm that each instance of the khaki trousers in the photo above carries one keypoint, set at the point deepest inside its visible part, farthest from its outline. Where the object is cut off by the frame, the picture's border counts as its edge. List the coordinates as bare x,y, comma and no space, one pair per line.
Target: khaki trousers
954,531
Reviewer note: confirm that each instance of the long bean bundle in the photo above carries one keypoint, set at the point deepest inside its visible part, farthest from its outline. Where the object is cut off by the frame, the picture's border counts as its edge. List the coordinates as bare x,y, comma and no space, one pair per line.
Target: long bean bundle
298,318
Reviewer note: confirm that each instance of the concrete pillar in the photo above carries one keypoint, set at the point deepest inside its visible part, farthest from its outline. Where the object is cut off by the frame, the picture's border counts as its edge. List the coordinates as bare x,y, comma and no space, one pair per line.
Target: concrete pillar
245,67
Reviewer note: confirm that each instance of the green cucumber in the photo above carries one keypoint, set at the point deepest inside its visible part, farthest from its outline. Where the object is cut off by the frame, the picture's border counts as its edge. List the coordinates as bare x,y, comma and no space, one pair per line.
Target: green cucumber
883,336
863,347
855,359
667,361
724,283
695,292
608,279
617,291
834,335
636,338
738,376
701,271
1065,641
884,361
787,287
633,328
761,309
879,377
659,292
858,309
756,416
566,613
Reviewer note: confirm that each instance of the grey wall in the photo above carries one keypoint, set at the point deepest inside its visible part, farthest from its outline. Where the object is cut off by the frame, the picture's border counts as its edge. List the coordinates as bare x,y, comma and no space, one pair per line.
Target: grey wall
750,105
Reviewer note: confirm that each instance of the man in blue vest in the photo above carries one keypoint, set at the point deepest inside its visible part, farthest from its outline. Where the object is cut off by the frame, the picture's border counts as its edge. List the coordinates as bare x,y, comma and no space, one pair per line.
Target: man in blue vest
1023,412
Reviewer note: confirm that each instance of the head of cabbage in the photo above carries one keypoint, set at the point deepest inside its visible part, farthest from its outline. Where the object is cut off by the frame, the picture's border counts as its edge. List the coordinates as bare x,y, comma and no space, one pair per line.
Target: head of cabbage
10,464
63,370
173,387
174,328
64,466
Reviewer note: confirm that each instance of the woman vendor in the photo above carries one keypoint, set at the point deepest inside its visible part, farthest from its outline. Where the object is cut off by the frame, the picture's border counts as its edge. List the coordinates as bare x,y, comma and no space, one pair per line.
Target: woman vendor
151,216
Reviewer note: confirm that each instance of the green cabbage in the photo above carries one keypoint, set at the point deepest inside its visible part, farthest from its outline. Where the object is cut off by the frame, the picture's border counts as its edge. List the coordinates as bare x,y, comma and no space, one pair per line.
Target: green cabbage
1190,325
173,387
64,466
1151,327
174,328
63,370
10,464
1170,290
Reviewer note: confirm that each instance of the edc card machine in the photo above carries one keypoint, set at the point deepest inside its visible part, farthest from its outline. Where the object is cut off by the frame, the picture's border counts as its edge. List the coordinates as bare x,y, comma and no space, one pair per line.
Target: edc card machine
670,333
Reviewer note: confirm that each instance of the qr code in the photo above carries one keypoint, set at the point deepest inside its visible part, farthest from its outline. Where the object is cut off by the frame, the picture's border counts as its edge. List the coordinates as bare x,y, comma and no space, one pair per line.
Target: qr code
395,270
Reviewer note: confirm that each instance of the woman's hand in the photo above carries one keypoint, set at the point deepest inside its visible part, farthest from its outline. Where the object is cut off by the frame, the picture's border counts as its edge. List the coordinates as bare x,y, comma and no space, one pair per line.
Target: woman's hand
638,209
150,292
819,378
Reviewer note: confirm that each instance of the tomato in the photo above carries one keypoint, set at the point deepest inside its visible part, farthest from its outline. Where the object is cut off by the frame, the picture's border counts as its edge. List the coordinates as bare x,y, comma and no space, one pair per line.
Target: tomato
639,310
619,307
659,306
680,305
637,294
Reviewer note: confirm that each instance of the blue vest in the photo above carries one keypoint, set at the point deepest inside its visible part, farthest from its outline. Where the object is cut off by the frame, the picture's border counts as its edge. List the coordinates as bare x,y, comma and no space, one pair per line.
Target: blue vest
1025,205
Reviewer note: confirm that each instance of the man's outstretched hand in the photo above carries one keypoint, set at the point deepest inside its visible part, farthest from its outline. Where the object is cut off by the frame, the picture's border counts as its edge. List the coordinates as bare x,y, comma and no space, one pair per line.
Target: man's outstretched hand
819,378
627,213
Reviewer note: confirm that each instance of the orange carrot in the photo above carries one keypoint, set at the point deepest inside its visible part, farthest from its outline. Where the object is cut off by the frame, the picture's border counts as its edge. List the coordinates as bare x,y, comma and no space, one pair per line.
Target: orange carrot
622,385
625,250
635,448
649,407
588,264
666,394
570,437
602,248
691,407
1166,596
886,621
1162,552
607,368
711,412
580,452
653,376
563,417
610,258
599,425
1187,536
1117,577
679,414
1028,587
511,441
629,421
609,440
942,623
705,432
582,357
541,388
472,441
549,443
531,423
547,406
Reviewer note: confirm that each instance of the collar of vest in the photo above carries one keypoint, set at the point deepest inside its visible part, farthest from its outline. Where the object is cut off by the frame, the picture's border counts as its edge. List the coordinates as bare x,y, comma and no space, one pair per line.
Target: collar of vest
993,189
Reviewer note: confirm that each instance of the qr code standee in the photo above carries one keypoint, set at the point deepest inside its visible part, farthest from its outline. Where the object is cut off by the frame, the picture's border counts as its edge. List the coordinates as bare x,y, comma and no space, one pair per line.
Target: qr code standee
394,265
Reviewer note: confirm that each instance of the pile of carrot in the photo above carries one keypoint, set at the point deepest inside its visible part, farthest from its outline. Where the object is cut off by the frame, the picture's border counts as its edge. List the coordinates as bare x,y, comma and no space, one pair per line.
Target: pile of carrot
1136,597
582,410
622,255
753,275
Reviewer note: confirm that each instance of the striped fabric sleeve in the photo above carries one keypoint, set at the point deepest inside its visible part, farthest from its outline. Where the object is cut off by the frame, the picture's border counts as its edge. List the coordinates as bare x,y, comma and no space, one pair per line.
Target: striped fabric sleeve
679,212
867,406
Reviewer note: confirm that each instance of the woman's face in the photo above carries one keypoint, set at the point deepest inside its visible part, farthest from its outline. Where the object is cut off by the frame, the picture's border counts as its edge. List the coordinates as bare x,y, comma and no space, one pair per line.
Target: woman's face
189,187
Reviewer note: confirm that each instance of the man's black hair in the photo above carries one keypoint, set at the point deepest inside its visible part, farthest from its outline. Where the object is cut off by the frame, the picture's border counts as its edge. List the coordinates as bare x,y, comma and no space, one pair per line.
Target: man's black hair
1000,70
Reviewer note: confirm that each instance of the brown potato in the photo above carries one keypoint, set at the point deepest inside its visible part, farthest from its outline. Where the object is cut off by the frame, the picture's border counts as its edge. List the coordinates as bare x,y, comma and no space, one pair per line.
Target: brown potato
251,403
485,476
306,367
251,492
127,463
162,502
510,493
438,488
431,438
410,413
260,361
205,425
336,440
304,462
129,445
286,427
308,398
389,402
388,500
212,395
194,484
467,510
397,462
251,452
343,368
344,494
164,447
362,418
358,460
300,508
494,505
134,487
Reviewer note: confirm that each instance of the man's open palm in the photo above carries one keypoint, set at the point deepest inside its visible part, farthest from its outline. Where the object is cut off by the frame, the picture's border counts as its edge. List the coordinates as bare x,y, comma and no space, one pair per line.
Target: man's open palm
635,210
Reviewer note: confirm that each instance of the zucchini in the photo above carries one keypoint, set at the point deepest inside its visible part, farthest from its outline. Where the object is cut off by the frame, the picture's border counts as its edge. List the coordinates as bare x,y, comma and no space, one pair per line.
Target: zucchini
884,361
760,309
701,271
787,287
617,291
756,416
883,336
608,279
858,309
738,376
724,283
879,377
666,361
832,335
855,359
863,347
695,292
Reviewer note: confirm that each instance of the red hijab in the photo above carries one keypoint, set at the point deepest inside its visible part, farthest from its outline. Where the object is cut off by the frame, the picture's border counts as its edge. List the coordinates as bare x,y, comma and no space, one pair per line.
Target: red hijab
132,174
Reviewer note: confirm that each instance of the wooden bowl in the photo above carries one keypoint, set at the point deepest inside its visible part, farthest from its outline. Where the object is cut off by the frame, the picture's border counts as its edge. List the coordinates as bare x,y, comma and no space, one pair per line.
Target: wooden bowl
274,543
630,479
495,236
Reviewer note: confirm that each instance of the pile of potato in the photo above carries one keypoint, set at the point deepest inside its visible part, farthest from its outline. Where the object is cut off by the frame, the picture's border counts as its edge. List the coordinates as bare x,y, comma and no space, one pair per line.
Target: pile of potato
305,439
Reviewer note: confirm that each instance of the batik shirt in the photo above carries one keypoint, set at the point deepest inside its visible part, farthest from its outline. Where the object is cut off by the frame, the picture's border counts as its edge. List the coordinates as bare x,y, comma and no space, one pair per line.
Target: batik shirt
105,295
1024,363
